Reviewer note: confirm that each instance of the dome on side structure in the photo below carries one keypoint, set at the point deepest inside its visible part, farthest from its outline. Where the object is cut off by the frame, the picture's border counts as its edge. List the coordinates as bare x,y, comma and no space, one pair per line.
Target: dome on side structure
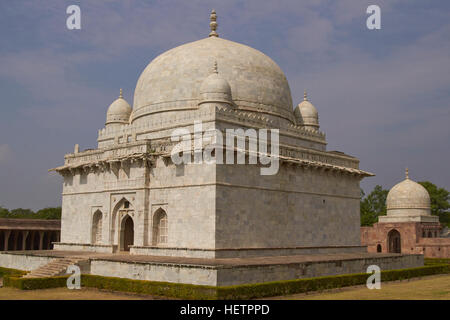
306,114
215,89
408,198
119,111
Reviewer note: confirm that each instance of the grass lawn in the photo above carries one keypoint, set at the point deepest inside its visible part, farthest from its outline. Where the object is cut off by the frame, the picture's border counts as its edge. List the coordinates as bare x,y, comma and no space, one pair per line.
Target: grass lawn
426,288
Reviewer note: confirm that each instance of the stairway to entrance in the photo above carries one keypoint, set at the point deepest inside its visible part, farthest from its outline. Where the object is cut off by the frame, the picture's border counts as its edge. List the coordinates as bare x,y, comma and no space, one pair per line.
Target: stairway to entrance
57,267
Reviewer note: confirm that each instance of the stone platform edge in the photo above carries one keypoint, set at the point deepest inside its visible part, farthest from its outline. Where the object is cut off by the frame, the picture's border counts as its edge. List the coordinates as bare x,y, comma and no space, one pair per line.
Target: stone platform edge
217,272
246,291
211,253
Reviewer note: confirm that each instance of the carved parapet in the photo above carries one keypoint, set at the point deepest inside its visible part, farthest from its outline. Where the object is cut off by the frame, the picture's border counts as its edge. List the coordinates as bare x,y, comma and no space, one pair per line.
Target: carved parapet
325,167
106,159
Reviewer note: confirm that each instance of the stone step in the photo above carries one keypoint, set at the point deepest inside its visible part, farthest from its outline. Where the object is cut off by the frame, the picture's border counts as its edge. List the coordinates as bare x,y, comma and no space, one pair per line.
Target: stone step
58,264
62,262
46,274
53,268
39,275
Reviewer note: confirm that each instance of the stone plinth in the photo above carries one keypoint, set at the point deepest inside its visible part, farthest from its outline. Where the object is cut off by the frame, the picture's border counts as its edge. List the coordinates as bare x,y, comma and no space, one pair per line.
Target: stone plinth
216,272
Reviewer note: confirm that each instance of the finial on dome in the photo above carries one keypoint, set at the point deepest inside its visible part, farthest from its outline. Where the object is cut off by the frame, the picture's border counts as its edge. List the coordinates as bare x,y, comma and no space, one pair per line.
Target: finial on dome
305,96
407,173
213,24
121,93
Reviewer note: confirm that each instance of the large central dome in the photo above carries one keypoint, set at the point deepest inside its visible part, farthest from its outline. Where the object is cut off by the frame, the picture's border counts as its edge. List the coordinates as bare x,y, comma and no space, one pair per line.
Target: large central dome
172,81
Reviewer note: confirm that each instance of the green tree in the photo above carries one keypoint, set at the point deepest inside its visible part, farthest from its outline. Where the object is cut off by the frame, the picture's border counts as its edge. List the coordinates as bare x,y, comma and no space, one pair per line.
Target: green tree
20,213
49,213
4,213
373,205
440,198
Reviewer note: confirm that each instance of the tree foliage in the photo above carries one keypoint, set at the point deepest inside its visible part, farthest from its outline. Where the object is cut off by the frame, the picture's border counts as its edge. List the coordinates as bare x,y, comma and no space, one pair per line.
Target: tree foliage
373,205
440,198
19,213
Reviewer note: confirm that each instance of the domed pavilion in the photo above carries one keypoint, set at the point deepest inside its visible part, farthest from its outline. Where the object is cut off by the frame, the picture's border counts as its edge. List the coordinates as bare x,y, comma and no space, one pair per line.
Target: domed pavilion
408,226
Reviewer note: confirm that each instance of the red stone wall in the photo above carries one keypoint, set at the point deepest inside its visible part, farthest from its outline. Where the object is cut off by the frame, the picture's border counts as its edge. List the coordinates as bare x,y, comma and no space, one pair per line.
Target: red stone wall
434,247
410,236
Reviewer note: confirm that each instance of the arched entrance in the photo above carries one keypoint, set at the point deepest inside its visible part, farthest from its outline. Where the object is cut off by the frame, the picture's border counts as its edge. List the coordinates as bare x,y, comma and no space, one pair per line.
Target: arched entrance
127,233
394,241
121,209
379,248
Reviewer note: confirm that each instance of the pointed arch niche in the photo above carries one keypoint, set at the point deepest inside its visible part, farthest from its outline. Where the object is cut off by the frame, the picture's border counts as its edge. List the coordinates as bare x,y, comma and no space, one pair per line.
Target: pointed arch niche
160,228
122,208
97,222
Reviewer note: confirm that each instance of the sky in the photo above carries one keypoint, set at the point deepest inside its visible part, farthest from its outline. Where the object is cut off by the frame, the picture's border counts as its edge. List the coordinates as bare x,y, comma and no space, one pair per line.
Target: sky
382,95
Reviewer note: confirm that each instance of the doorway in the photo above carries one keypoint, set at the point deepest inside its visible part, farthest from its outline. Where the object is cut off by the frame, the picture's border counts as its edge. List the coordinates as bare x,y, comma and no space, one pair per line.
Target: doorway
394,241
127,233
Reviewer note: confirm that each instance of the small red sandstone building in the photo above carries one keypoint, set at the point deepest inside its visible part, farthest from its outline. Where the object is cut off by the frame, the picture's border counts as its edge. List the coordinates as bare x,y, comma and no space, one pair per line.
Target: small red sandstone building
408,226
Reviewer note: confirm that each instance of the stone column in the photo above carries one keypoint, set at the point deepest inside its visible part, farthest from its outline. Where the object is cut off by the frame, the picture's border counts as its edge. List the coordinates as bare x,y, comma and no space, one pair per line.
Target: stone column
32,239
41,239
145,219
138,228
24,239
141,208
7,233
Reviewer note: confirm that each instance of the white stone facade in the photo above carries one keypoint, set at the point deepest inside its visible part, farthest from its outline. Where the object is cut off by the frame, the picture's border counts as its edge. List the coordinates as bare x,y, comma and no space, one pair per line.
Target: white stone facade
408,201
129,195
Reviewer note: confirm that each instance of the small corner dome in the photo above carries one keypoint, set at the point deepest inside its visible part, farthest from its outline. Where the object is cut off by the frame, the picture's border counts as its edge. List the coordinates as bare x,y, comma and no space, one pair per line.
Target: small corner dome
119,111
215,88
306,113
406,196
